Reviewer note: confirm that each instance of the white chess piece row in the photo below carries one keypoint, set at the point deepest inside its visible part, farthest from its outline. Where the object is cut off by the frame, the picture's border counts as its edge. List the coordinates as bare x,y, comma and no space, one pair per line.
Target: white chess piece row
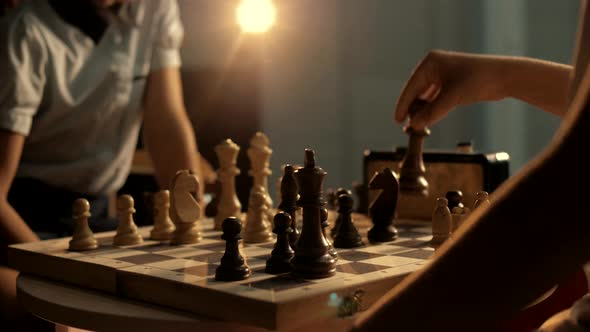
260,206
445,222
127,232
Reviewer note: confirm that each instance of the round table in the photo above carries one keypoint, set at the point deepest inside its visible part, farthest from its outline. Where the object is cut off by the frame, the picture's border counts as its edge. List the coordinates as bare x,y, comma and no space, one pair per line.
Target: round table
93,310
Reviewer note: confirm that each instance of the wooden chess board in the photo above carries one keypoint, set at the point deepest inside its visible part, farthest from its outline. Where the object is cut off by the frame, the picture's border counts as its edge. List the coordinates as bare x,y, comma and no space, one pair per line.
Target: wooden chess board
183,277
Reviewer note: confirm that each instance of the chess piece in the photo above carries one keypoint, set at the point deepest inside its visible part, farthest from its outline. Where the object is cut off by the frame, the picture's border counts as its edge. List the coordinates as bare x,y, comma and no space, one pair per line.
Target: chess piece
258,227
233,266
412,180
83,238
282,254
312,259
465,147
325,224
384,206
288,190
458,216
455,198
441,222
339,192
185,209
160,208
229,205
347,236
259,155
127,233
481,198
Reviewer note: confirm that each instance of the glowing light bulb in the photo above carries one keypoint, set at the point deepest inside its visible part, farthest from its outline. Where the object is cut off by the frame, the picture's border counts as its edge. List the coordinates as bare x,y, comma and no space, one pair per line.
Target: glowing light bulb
256,16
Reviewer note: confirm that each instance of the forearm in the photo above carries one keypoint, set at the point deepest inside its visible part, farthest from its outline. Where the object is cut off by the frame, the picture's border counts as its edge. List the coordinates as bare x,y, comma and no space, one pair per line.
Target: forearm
13,229
540,83
499,262
172,147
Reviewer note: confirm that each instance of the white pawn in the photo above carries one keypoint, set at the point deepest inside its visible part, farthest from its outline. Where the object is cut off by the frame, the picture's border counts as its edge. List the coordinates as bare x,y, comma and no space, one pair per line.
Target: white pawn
127,233
441,222
481,198
185,209
258,228
163,226
229,205
458,217
259,154
82,239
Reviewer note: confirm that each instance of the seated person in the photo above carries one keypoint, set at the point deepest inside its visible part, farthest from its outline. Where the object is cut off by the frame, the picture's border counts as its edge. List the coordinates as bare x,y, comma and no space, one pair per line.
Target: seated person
78,80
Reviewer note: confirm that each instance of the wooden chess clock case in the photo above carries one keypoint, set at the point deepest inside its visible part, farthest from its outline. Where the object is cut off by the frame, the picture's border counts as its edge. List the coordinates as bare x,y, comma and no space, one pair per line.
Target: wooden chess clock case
463,170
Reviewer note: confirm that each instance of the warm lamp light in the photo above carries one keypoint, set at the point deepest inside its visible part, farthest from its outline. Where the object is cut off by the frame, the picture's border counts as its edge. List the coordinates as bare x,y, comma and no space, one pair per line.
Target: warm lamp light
256,16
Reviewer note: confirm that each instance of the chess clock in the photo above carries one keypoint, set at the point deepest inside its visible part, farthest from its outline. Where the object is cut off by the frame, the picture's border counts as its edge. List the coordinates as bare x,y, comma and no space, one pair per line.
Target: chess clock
461,169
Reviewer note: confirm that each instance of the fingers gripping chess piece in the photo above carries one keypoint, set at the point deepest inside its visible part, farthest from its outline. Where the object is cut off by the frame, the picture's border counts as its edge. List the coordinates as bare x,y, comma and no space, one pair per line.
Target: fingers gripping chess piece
163,226
412,180
258,227
229,204
312,258
259,154
282,254
83,238
127,233
233,266
441,222
383,208
185,209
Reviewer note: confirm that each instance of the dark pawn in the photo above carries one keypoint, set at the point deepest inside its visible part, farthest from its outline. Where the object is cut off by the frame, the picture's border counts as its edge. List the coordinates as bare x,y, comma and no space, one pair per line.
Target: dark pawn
383,208
281,255
324,217
347,235
339,192
455,198
233,266
288,203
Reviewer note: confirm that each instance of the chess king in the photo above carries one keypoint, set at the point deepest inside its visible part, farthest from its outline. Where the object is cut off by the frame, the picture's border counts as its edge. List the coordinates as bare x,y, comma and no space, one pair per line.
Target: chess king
312,257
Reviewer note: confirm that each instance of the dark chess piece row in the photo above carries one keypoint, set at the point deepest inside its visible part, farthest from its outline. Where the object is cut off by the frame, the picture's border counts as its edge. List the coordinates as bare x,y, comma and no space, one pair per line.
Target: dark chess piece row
310,254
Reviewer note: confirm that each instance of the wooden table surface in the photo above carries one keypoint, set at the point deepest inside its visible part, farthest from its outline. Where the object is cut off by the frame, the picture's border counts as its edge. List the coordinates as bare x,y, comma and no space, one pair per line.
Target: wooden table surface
92,310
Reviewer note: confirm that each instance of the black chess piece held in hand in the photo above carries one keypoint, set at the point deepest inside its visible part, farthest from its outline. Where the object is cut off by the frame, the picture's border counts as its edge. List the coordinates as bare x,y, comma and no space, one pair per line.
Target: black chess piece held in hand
233,266
281,255
412,180
383,209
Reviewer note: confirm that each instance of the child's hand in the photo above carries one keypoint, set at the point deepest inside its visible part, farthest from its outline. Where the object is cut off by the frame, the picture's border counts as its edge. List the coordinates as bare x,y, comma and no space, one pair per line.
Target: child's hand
446,80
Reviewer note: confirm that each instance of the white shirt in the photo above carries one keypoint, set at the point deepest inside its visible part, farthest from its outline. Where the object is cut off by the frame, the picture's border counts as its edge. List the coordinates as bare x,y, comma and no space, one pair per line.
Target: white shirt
79,103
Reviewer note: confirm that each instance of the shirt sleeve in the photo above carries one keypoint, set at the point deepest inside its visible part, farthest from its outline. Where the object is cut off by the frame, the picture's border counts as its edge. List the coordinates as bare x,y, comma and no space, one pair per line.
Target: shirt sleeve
22,74
168,37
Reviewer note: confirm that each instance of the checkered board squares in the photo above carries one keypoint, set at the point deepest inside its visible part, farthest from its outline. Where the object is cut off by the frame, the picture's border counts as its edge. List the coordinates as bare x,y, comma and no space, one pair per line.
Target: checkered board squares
183,277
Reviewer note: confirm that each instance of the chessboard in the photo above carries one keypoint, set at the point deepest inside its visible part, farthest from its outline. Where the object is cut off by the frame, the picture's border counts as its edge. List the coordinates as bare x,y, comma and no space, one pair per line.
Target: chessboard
183,276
